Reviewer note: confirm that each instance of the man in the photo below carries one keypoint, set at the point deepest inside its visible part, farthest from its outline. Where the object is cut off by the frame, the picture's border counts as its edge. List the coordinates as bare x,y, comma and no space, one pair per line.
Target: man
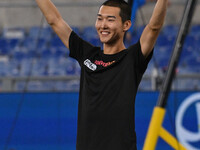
109,78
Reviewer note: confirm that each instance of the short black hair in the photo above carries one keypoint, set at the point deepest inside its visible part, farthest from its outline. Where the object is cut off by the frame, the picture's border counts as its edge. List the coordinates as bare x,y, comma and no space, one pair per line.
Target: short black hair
125,9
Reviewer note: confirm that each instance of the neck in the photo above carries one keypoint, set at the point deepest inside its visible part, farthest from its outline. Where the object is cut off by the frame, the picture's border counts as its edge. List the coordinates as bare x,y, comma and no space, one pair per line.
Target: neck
113,48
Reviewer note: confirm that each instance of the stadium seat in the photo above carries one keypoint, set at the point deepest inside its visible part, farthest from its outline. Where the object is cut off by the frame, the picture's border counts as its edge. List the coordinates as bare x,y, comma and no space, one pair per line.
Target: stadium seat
56,42
9,68
61,67
3,71
90,35
3,46
25,67
40,32
46,53
195,30
164,40
70,66
19,53
60,52
56,69
170,30
34,44
12,43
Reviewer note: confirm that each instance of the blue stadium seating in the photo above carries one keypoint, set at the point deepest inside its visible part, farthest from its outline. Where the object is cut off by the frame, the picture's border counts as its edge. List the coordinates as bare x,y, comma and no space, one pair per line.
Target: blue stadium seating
3,47
56,42
12,42
41,53
40,32
90,35
170,30
9,68
195,31
25,67
33,44
3,71
49,45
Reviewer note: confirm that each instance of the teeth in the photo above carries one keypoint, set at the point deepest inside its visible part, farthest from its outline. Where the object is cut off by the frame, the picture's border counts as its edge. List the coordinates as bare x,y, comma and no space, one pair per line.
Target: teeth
105,33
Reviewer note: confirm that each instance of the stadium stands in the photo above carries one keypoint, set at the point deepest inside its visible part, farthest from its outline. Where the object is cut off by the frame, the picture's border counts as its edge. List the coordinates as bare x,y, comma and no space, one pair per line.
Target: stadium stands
39,52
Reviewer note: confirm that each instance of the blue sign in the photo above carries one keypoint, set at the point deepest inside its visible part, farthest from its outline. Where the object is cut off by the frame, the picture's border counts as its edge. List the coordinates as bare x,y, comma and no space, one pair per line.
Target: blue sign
48,121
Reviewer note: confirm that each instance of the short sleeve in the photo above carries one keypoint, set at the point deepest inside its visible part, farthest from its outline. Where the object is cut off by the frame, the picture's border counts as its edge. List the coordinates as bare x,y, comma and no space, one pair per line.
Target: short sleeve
140,60
78,47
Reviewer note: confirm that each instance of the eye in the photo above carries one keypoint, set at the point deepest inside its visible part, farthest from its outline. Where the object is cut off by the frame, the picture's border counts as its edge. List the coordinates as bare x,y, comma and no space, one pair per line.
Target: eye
111,20
99,19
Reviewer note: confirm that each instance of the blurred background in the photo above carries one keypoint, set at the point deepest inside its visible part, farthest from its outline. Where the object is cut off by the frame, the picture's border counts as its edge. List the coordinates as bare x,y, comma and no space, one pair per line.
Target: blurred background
39,82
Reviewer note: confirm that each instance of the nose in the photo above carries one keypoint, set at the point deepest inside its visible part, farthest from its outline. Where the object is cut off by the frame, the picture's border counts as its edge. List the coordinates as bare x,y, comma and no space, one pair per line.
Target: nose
104,24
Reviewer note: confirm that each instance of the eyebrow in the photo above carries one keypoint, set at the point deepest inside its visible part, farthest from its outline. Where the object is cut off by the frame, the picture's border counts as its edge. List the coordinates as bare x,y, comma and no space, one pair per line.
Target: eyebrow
106,16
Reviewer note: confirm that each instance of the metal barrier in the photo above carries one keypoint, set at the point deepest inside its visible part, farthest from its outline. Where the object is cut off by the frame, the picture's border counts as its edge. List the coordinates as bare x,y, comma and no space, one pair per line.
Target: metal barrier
183,82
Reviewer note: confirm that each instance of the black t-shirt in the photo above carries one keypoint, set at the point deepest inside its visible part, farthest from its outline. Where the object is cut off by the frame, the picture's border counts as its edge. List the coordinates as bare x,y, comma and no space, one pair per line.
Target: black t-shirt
108,86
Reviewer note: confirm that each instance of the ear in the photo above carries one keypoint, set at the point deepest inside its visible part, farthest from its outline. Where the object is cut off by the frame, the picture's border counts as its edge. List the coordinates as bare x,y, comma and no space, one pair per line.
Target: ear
127,25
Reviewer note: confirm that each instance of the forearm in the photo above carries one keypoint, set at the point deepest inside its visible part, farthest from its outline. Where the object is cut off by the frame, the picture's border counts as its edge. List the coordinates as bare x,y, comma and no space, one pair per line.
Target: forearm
54,19
157,20
49,10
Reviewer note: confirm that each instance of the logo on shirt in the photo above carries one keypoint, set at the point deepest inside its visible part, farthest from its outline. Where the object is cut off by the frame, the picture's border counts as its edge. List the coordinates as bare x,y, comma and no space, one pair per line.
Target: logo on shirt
104,64
90,65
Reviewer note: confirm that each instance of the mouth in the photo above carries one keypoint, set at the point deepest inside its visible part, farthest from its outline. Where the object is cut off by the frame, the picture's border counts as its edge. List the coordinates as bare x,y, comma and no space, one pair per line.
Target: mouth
105,33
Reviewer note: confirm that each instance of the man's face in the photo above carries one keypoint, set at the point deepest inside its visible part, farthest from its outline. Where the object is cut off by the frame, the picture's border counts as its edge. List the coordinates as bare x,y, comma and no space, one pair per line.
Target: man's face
109,25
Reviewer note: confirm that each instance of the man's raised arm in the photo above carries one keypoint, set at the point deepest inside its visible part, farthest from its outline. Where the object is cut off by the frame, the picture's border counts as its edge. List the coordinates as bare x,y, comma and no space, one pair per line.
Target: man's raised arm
55,20
152,30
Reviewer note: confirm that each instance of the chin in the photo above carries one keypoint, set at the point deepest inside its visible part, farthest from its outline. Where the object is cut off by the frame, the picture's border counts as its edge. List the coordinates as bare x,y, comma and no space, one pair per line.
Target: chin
109,42
104,41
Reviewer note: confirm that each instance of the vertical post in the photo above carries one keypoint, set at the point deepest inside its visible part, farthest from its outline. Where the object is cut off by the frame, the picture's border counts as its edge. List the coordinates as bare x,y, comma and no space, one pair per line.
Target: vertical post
158,114
183,31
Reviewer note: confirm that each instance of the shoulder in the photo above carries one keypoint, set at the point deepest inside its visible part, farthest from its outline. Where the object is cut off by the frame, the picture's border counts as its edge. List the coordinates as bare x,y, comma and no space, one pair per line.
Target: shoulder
135,51
135,47
75,41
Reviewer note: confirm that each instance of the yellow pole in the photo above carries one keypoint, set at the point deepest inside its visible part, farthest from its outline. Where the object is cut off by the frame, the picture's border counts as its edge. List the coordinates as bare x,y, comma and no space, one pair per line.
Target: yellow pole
154,128
172,141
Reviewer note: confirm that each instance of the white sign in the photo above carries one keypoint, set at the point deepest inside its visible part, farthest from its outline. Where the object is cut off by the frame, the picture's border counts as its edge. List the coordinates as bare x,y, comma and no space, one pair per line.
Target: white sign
185,136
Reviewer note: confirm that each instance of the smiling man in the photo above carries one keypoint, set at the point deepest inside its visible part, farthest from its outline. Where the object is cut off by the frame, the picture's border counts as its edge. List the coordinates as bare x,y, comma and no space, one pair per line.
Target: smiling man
109,77
111,27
